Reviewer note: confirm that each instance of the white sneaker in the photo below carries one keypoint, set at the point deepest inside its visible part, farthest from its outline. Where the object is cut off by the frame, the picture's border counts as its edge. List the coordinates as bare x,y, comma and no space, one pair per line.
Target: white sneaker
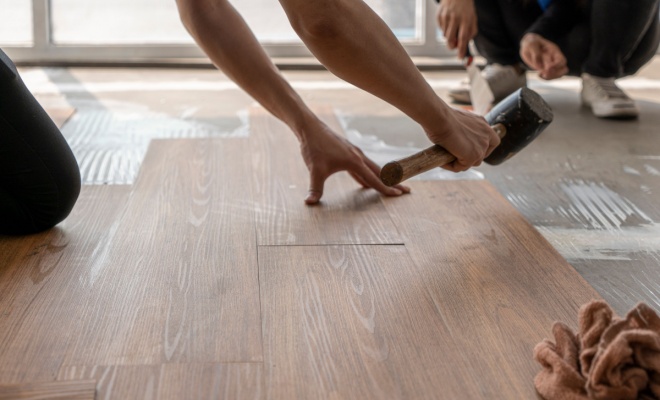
502,79
606,99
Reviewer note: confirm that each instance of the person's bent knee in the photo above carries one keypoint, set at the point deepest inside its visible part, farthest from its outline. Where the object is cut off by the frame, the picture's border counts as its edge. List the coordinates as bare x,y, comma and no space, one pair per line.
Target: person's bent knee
30,213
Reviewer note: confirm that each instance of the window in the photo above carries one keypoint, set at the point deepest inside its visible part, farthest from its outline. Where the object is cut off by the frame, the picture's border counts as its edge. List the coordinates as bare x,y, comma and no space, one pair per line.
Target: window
150,30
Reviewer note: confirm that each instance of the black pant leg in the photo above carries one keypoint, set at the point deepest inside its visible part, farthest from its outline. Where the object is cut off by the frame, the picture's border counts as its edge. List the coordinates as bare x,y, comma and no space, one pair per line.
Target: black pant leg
39,176
501,25
624,36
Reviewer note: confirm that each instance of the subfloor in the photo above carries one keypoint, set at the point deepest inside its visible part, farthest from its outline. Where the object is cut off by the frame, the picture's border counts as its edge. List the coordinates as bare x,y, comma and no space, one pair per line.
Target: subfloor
190,264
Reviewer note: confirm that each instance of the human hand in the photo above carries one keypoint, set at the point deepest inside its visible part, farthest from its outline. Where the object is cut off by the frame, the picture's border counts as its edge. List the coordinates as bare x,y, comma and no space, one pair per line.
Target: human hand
543,55
467,136
458,21
326,153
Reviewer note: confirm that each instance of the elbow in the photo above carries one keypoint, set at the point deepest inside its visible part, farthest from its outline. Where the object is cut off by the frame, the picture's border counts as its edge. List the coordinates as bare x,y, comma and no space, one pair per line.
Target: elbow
316,26
192,11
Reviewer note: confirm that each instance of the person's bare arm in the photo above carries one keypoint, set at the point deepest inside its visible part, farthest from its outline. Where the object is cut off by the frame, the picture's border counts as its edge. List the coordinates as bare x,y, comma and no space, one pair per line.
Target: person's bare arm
225,37
356,45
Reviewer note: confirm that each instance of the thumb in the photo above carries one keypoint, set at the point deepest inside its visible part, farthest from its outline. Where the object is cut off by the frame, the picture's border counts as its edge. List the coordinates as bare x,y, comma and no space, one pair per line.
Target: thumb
315,192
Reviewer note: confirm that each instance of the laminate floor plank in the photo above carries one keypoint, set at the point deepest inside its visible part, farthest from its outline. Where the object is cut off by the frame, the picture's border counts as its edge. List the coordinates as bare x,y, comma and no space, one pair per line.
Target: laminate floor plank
496,281
180,281
348,214
64,390
39,286
173,381
355,322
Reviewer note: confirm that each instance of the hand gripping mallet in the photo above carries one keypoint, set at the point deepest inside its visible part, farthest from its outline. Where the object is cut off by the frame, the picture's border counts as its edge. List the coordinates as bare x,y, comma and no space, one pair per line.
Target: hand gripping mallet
518,119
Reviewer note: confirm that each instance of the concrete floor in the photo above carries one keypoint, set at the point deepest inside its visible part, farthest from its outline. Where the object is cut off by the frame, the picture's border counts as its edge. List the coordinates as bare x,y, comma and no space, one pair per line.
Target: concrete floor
590,186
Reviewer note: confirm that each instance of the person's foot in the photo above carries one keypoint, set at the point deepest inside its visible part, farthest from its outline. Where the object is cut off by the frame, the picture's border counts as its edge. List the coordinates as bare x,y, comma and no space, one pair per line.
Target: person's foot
606,99
502,79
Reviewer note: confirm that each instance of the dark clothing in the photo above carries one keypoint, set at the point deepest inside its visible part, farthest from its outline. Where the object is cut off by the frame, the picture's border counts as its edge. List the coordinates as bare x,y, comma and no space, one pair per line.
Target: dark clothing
39,176
605,38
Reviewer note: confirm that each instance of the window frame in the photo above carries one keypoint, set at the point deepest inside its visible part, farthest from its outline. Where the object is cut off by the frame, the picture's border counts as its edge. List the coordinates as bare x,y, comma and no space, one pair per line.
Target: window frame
43,50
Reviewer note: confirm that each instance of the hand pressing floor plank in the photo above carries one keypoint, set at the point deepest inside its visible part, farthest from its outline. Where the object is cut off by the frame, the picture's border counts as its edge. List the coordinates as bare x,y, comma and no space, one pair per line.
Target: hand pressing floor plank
347,214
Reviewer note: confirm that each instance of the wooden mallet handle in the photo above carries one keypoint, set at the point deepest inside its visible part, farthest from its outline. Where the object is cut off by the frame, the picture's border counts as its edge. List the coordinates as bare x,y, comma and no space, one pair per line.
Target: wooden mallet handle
395,172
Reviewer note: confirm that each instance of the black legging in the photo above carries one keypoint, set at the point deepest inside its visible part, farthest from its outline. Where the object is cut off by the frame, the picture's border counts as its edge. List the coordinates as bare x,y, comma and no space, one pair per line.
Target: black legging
39,176
613,38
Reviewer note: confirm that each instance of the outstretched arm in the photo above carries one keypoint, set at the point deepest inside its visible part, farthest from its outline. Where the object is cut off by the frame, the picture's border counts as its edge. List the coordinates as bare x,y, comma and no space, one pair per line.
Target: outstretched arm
225,37
356,45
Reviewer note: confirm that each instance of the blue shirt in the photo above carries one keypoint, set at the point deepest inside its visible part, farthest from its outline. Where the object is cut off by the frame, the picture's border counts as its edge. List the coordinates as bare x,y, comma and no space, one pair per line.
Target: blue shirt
544,4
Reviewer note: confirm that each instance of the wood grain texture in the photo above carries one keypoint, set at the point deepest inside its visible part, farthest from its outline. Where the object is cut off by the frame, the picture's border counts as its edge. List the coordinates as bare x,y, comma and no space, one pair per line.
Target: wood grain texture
348,214
65,390
179,282
496,281
355,322
173,381
41,283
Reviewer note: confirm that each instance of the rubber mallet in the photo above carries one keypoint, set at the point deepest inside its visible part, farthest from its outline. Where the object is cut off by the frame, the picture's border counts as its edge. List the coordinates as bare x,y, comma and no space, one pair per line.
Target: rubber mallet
518,119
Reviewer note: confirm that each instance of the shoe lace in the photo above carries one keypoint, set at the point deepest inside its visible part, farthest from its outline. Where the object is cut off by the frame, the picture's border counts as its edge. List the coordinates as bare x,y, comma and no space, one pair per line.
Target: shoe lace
609,88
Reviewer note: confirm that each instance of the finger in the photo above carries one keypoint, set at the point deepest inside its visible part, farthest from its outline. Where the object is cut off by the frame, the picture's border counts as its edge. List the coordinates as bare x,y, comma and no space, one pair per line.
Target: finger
537,59
359,180
374,181
443,21
376,170
456,166
463,40
315,191
403,188
451,34
494,142
556,72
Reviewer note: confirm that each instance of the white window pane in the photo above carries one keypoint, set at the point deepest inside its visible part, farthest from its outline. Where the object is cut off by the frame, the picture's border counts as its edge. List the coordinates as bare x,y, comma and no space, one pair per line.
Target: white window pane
400,15
152,21
157,21
16,25
117,22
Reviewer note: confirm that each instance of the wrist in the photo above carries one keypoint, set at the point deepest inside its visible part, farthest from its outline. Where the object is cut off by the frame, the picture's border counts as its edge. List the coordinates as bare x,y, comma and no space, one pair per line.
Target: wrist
304,124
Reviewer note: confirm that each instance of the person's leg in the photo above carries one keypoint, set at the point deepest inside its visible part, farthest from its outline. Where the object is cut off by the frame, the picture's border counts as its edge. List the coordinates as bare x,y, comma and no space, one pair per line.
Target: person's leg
647,47
501,26
614,39
39,176
617,30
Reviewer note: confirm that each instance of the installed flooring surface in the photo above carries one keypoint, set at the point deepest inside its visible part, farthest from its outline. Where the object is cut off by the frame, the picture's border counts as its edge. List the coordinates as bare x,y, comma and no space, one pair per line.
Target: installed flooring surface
209,278
590,186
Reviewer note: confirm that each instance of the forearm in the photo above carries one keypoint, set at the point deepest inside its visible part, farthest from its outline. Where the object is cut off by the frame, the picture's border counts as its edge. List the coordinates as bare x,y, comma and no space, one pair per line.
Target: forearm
357,46
230,44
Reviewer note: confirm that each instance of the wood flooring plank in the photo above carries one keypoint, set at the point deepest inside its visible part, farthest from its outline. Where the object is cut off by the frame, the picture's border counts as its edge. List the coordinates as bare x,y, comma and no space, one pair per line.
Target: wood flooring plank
497,282
179,283
65,390
173,381
356,322
348,214
40,285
